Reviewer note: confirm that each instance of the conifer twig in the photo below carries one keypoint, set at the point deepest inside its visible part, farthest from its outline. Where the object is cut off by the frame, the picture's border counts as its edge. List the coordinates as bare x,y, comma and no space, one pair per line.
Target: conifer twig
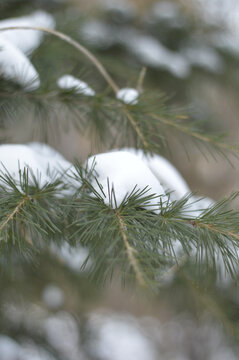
93,59
212,227
13,213
141,78
130,252
137,129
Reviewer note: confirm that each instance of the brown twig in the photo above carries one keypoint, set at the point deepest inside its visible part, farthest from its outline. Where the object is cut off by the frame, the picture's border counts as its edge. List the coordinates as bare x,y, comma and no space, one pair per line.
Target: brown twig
130,252
15,211
211,227
141,78
137,129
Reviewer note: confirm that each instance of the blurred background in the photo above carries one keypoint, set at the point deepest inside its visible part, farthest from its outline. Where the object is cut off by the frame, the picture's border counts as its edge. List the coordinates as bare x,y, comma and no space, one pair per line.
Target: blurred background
191,51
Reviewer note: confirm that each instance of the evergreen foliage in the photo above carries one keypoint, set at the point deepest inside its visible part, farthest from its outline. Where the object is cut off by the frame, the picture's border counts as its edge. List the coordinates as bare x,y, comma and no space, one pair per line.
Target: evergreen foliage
176,255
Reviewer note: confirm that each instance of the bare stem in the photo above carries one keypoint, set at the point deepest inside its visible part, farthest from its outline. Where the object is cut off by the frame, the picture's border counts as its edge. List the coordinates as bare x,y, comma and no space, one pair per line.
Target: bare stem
131,253
141,78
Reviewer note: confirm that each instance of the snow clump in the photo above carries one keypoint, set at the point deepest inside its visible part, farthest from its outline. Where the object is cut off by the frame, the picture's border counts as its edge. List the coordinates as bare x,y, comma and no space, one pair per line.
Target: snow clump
27,40
16,44
128,95
71,82
122,172
41,159
15,66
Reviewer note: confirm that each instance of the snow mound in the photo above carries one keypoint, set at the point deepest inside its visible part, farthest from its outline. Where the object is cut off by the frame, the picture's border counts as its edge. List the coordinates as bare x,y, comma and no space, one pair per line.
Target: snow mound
14,65
27,40
168,176
71,82
41,159
122,172
118,337
128,95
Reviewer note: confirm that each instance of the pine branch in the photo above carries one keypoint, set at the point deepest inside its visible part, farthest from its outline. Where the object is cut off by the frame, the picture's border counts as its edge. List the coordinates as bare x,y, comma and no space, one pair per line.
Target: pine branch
141,136
171,228
213,228
139,117
148,238
29,213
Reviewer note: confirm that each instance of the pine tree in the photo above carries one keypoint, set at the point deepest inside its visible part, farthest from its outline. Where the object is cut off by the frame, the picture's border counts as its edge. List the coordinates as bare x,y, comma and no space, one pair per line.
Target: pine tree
120,230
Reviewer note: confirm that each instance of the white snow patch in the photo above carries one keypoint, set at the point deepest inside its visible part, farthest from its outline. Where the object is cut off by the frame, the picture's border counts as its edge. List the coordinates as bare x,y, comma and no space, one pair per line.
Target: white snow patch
14,65
9,349
123,171
27,40
73,256
226,41
123,9
168,176
49,158
197,205
62,333
43,161
53,296
30,351
70,82
167,12
98,34
217,12
118,337
147,48
171,180
15,157
204,57
128,95
226,15
152,53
